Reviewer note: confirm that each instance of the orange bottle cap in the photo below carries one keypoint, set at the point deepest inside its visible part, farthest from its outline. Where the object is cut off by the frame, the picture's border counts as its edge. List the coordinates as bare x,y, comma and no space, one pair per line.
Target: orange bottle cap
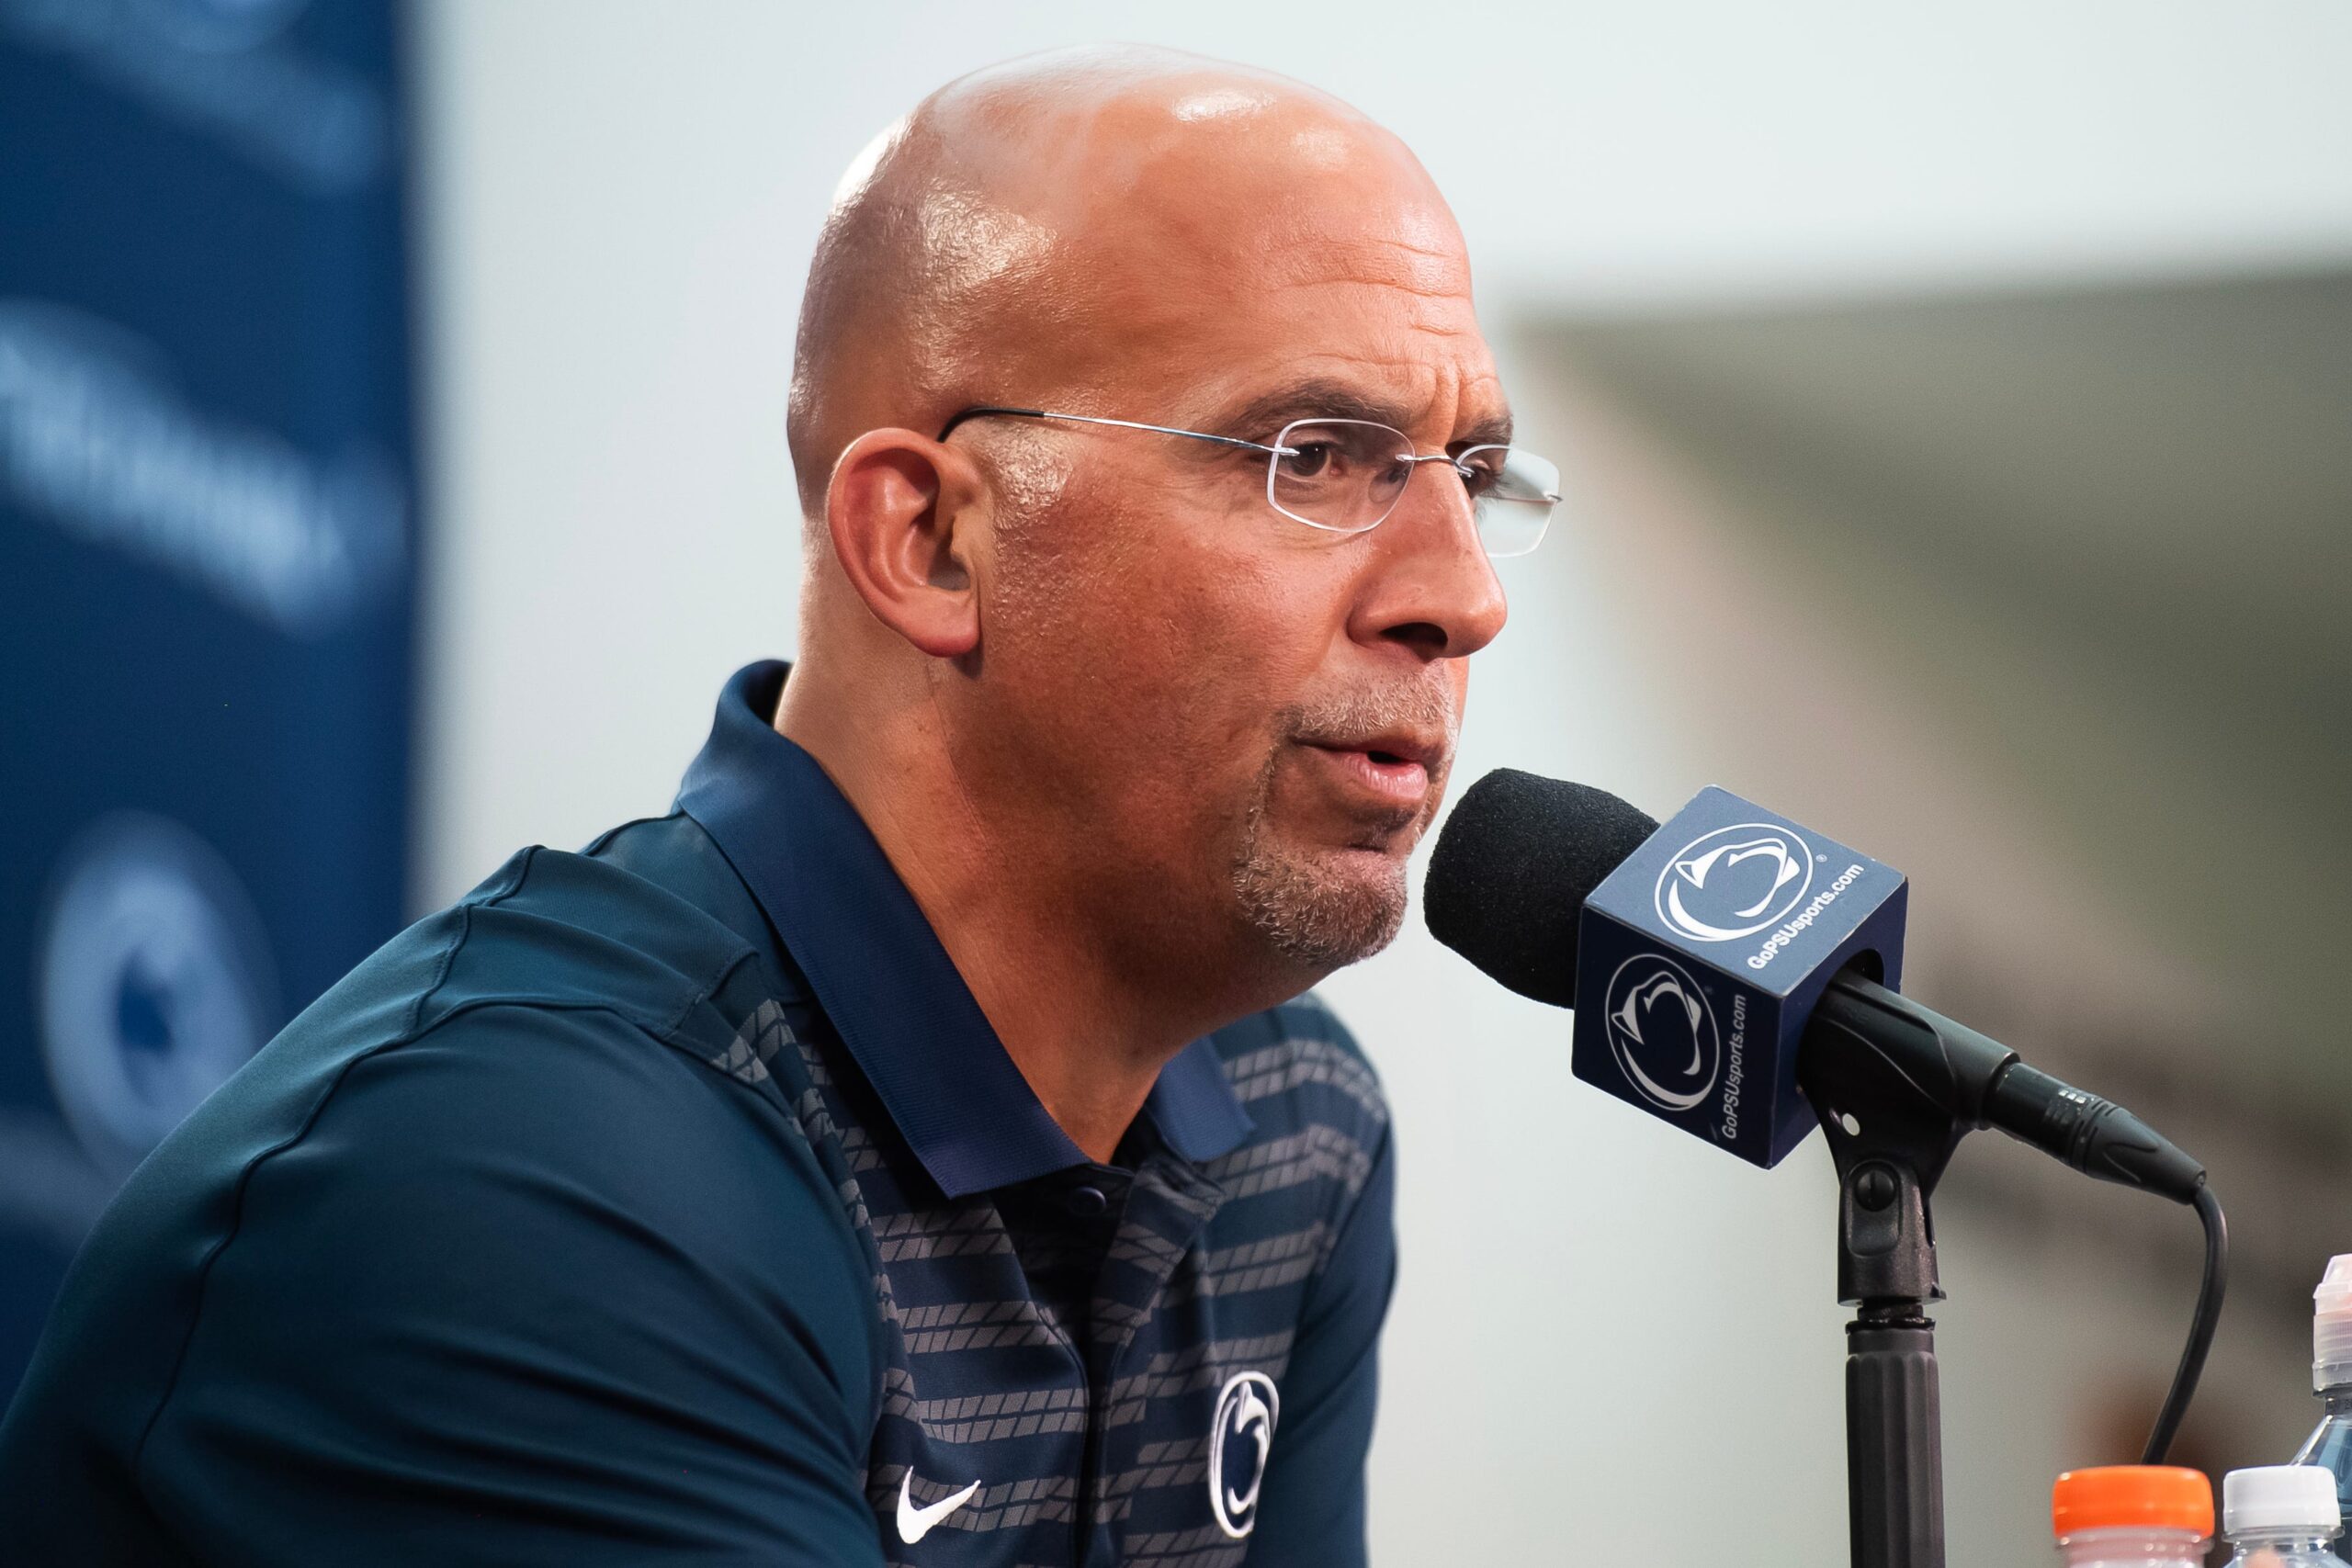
2121,1496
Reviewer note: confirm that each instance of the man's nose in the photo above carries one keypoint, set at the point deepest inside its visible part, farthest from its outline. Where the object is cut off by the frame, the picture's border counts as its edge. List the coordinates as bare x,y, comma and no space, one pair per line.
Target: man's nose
1429,584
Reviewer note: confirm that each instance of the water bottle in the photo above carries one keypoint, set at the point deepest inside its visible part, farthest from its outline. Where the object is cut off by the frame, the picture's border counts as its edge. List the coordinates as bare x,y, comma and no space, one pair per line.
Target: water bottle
2280,1516
2132,1516
2330,1444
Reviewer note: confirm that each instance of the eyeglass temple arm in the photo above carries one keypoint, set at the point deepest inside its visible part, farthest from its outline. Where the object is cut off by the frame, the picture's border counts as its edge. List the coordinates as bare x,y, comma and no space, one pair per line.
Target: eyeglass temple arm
949,427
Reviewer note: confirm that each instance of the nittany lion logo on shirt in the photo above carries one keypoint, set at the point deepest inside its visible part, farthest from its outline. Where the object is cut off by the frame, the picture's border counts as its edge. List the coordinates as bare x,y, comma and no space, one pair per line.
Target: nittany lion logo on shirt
1662,1031
1734,882
1247,1408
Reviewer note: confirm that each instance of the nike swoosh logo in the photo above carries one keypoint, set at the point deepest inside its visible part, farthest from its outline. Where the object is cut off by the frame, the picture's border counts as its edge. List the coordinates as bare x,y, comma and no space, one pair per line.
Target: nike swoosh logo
915,1523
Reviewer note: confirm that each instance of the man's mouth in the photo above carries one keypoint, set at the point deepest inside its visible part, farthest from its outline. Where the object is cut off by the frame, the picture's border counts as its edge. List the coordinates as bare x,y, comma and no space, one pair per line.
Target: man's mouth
1392,769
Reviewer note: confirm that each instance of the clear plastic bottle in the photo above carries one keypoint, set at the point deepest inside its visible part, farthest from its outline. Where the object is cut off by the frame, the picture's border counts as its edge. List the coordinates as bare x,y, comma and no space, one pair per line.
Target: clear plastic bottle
2280,1516
2132,1516
2330,1444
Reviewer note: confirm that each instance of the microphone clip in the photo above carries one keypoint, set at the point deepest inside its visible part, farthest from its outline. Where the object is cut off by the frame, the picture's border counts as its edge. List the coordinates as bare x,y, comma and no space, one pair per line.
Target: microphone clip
1890,1142
1893,1095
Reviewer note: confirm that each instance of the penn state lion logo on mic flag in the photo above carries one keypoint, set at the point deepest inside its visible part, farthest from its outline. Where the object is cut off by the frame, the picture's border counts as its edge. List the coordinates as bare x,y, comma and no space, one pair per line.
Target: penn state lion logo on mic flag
1662,1031
1734,882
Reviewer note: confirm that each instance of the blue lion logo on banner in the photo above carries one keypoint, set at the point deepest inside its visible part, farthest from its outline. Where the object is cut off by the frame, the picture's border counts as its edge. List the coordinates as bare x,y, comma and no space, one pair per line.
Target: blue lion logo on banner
155,982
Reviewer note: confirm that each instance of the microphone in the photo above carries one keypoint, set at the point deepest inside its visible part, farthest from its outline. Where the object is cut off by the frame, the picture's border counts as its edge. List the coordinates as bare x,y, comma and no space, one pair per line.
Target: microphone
1733,972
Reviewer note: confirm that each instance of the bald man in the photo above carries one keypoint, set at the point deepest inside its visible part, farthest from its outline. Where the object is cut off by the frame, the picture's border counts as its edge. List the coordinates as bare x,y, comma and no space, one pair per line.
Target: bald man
917,1146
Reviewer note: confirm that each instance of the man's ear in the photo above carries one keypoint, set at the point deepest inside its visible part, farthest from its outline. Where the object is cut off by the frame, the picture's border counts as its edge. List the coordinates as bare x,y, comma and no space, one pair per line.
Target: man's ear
902,510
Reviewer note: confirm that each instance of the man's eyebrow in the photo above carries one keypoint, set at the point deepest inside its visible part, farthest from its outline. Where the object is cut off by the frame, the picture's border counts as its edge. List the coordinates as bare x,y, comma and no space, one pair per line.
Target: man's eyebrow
1259,419
1494,430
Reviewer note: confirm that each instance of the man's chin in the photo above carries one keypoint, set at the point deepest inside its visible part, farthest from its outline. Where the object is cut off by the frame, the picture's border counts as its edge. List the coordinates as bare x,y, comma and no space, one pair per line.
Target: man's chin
1326,908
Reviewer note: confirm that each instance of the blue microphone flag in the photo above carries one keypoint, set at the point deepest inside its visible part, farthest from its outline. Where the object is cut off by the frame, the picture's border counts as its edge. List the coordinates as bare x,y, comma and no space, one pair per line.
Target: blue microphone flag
1700,960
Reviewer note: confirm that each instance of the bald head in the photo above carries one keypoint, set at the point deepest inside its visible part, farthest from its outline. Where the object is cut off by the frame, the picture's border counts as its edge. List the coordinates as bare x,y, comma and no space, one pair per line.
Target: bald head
1051,231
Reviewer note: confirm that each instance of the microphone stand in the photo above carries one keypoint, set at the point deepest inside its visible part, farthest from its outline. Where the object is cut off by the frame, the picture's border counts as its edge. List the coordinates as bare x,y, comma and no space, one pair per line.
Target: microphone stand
1890,1137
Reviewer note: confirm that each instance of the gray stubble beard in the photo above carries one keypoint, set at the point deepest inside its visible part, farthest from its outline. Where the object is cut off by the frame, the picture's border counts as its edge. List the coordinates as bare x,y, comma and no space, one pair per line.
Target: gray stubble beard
1318,921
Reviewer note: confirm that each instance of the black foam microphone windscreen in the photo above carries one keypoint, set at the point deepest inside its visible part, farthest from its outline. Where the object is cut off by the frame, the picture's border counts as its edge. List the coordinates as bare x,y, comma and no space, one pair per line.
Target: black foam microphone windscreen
1511,870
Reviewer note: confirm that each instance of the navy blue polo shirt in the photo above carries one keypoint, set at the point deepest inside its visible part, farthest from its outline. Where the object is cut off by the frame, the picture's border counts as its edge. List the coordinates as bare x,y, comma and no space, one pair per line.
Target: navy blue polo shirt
674,1201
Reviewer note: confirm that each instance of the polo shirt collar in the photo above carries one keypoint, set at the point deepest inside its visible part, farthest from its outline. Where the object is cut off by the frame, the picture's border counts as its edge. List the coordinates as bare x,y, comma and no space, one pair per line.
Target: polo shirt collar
883,978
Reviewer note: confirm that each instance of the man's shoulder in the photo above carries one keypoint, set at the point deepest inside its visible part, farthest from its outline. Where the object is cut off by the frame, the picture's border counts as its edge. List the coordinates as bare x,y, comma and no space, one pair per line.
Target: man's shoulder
519,1105
641,925
573,996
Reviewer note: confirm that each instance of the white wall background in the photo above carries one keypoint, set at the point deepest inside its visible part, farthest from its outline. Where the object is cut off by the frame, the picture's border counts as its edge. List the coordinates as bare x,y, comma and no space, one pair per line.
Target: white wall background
1609,1343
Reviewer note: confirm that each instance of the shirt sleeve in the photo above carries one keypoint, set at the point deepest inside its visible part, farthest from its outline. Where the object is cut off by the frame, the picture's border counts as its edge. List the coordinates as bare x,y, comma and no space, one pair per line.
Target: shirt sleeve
1311,1507
530,1289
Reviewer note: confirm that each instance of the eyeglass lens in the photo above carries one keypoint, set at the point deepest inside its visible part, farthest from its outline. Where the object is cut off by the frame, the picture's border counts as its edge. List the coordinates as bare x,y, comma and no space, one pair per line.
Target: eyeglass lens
1347,476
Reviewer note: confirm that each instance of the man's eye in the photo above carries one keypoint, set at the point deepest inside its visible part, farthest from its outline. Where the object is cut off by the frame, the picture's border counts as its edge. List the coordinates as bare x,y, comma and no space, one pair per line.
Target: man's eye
1478,478
1309,458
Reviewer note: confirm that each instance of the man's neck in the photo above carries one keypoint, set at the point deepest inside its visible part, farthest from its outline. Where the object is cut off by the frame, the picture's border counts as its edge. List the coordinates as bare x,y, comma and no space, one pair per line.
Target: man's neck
1087,1031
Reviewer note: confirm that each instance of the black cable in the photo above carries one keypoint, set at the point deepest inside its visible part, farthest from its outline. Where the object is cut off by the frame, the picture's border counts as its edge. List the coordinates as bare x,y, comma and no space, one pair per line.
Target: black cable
2200,1327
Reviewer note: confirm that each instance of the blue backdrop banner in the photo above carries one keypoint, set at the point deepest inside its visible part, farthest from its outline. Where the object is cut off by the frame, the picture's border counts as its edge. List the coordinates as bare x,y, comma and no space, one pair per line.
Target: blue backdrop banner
207,550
